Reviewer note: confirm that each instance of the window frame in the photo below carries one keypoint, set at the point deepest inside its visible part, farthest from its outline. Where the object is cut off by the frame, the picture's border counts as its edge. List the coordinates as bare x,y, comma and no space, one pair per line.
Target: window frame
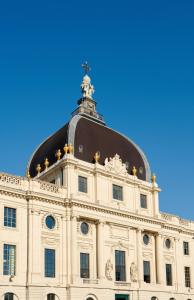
147,277
12,223
85,270
169,280
7,269
185,248
120,269
49,267
187,274
82,186
117,192
8,296
143,197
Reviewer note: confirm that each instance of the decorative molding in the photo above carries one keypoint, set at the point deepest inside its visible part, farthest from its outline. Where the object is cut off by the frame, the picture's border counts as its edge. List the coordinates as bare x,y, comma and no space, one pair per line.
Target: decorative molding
115,165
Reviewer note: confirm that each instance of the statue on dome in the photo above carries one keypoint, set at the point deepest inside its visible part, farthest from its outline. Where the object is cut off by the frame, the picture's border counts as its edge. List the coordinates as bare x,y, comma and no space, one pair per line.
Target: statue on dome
86,87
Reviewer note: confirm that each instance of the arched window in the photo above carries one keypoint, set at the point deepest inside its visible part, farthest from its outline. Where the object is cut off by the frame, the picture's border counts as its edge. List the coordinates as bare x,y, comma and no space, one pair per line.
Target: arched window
89,298
51,297
172,298
9,296
154,298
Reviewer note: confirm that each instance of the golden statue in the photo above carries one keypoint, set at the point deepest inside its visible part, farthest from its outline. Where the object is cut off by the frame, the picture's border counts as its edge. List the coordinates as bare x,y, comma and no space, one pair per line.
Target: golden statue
58,154
134,171
66,149
153,178
46,163
28,174
38,168
70,149
97,157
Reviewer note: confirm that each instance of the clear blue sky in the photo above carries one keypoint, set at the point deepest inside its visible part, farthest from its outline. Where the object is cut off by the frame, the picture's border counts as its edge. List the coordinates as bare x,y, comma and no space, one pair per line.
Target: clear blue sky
142,58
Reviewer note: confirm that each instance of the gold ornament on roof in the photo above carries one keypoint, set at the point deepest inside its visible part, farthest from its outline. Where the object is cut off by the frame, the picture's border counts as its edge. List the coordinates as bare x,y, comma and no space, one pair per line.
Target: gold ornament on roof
58,154
97,157
38,168
28,175
66,149
153,178
46,163
70,149
134,171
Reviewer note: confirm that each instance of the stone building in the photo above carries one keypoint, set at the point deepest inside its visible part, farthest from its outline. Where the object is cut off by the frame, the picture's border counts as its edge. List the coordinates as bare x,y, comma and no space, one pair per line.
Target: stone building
85,224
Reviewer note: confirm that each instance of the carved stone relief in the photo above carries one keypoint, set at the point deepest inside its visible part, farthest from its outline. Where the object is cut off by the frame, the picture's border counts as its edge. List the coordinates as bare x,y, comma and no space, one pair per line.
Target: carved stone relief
108,269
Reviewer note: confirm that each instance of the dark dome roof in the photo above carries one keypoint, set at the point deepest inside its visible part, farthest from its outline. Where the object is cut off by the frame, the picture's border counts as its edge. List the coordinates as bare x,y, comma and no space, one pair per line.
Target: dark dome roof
87,137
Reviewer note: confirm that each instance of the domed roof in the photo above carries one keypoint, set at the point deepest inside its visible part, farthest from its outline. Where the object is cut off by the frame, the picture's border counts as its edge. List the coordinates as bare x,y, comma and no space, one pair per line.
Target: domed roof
88,136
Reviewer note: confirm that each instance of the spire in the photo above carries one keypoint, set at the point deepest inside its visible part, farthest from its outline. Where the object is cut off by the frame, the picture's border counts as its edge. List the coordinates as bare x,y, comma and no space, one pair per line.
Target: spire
86,104
86,87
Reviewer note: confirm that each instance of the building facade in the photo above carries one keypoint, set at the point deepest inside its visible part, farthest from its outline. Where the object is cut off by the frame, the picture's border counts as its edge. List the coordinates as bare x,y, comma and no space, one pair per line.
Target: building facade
85,224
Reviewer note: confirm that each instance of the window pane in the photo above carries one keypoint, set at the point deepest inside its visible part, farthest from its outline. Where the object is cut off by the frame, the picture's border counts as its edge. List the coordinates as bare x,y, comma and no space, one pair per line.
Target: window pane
187,277
168,274
49,263
186,248
84,265
9,217
143,201
117,192
146,269
82,184
51,297
120,272
9,259
8,296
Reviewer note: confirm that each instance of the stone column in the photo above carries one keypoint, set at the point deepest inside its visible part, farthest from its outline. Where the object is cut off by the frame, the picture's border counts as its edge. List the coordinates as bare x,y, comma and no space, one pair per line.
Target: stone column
74,269
159,259
68,249
179,268
139,256
100,250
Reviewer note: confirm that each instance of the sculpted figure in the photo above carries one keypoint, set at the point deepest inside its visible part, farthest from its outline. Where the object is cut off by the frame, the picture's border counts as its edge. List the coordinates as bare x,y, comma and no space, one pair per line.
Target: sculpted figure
109,269
133,272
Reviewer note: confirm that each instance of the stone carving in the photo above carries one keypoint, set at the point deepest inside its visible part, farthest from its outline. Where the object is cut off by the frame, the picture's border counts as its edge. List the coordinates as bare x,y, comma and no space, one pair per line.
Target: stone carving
133,272
47,186
109,269
10,179
115,165
86,87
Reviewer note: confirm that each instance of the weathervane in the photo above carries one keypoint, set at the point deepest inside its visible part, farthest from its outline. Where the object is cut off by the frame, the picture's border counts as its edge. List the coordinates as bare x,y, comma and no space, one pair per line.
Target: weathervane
86,67
86,87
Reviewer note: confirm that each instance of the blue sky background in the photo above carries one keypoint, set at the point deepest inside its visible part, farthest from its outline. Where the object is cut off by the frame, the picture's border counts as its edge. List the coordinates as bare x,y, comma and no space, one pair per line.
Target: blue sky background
142,58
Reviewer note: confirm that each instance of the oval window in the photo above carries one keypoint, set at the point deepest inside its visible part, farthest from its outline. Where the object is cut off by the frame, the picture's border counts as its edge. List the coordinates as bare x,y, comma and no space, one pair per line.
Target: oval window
50,222
168,243
146,239
84,228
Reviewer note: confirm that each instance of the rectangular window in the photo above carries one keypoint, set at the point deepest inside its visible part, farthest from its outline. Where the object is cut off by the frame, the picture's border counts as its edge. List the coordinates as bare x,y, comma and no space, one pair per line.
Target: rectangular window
9,217
120,272
82,184
186,248
117,192
187,277
168,274
143,201
84,265
49,260
9,259
146,271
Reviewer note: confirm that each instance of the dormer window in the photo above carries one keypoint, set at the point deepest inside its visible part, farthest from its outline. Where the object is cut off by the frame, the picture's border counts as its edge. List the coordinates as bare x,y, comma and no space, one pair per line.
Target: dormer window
117,192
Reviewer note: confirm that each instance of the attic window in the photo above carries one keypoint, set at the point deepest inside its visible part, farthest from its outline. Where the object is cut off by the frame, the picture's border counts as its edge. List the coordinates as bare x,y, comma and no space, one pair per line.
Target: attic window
81,148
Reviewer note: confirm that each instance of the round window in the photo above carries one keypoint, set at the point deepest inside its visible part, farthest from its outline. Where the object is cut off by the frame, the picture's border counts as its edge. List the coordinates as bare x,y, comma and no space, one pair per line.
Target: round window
146,239
168,243
50,222
84,228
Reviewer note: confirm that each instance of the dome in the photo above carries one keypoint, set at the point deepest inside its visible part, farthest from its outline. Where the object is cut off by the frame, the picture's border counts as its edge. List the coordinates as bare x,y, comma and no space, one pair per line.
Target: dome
88,136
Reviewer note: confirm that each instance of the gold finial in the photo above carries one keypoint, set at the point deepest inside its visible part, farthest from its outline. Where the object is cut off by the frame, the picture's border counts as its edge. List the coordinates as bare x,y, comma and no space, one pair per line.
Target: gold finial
153,178
66,149
28,174
134,171
70,149
97,157
38,168
46,163
58,154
